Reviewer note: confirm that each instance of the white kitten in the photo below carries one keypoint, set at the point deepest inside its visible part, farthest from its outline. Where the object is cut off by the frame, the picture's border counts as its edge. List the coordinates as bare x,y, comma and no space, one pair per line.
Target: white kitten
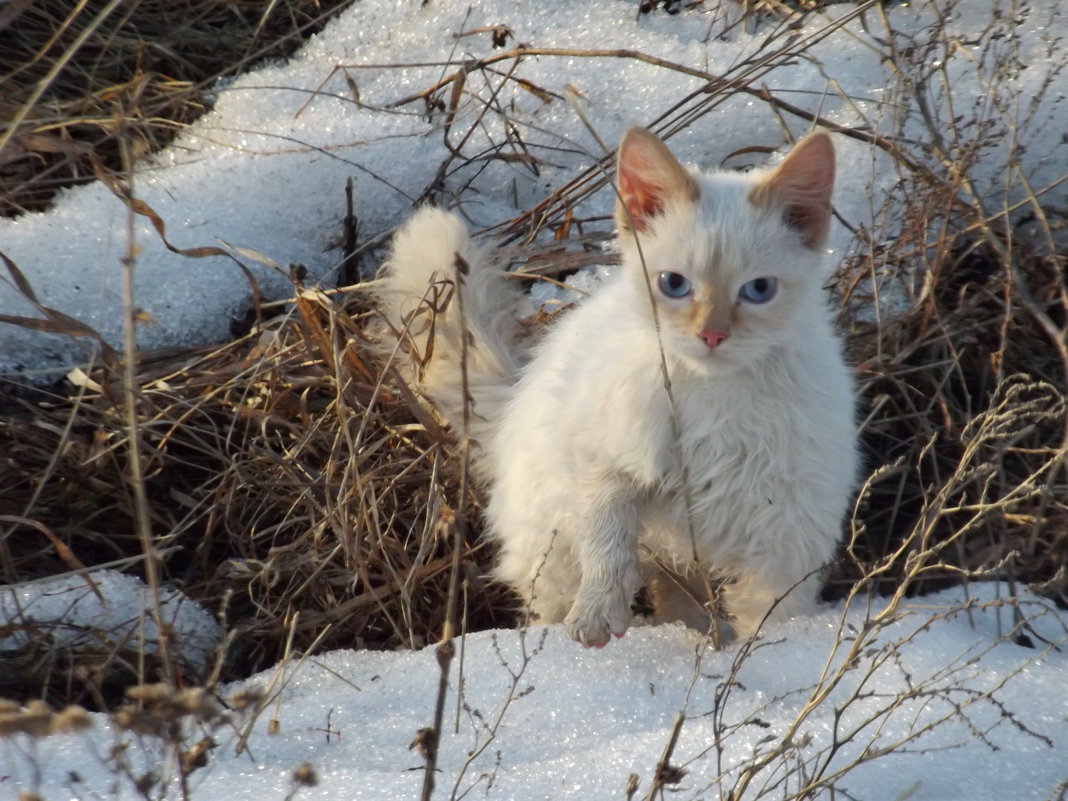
740,464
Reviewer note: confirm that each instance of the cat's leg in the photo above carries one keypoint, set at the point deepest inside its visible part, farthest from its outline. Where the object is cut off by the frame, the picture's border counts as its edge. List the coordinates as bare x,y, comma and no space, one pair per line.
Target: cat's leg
542,567
608,555
531,516
769,594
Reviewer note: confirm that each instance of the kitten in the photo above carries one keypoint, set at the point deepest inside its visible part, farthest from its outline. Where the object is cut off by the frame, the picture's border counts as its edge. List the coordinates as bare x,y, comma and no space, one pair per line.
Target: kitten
695,416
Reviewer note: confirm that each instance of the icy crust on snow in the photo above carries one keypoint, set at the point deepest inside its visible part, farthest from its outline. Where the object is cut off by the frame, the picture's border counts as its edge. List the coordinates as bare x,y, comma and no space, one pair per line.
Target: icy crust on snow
266,170
541,717
106,608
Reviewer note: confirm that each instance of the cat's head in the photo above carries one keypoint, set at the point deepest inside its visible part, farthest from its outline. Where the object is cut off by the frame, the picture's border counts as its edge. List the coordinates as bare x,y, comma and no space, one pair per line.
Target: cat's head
733,262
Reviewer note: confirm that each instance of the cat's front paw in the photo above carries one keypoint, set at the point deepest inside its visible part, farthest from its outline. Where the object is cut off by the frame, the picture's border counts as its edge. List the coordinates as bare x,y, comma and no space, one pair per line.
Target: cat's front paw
592,620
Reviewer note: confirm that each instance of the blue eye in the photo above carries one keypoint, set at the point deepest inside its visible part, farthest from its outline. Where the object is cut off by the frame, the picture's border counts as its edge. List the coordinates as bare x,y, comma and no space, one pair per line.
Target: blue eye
759,290
674,285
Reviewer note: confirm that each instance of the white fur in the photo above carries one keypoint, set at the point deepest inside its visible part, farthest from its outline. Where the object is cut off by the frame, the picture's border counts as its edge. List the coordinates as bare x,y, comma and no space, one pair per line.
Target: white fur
587,456
421,278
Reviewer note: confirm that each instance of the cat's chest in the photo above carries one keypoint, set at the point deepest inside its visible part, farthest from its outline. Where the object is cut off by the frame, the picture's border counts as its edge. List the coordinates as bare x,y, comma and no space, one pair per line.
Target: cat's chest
731,435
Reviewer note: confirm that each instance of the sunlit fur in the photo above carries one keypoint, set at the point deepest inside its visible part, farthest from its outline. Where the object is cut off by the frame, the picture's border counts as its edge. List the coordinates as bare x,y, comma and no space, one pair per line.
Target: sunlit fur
586,453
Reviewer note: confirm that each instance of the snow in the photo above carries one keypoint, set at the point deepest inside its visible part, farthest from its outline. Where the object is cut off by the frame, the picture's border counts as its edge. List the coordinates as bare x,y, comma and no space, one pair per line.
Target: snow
963,711
102,609
262,176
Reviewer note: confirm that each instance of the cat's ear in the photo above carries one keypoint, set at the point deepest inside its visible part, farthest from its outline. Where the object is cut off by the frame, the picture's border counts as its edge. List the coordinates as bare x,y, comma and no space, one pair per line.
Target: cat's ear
649,180
801,189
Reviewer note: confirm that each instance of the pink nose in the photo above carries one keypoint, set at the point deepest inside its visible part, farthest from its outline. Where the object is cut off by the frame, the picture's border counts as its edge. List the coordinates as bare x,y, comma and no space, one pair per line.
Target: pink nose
714,337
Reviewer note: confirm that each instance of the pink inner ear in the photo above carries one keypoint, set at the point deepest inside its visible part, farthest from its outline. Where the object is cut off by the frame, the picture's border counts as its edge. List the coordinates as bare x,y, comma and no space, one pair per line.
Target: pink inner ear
648,178
640,200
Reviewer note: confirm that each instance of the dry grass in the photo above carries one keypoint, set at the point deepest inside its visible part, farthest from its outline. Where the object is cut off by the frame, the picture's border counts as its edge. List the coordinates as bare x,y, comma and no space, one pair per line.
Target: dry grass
291,492
967,392
304,495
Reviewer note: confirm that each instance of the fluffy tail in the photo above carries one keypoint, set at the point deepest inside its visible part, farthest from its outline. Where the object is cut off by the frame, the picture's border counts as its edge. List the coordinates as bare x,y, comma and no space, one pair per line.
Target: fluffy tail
437,289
